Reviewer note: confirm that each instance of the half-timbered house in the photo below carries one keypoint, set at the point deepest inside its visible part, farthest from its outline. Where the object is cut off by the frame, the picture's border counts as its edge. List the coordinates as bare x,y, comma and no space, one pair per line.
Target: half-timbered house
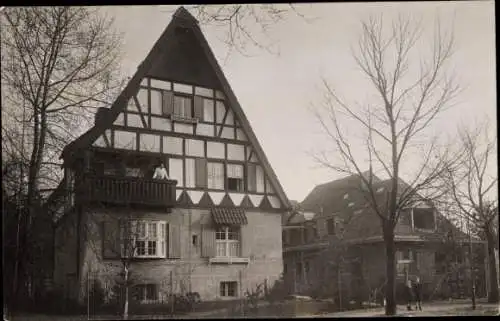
214,225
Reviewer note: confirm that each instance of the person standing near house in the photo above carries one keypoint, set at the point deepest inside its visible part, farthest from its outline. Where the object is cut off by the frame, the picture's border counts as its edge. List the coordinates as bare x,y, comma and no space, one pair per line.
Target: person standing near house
161,172
408,294
417,291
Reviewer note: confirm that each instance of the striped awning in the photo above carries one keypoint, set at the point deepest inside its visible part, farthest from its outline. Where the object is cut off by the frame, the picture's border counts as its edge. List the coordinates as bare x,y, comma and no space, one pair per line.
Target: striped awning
229,216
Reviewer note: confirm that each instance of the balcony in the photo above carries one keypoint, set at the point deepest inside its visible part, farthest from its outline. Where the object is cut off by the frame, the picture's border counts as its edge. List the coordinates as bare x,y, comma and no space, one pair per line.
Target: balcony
129,191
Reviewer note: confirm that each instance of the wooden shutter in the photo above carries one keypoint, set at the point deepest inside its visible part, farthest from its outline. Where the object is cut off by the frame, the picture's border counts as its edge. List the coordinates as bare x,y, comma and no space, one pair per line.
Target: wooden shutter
111,248
251,176
208,242
168,103
245,241
174,241
198,107
201,172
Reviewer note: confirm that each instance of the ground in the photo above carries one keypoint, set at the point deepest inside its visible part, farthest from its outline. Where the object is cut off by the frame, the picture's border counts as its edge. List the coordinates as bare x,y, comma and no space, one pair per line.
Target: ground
457,308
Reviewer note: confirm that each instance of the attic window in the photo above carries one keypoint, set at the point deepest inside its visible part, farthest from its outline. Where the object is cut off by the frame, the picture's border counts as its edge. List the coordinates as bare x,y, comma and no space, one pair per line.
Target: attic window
380,190
346,196
351,204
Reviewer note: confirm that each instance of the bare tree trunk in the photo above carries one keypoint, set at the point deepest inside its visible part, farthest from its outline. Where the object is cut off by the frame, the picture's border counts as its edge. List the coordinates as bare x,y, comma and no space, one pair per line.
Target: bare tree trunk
390,289
493,296
125,305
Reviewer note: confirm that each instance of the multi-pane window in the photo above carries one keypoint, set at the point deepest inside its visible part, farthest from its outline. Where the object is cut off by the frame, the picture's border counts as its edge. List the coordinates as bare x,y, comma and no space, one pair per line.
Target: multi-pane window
156,102
228,288
146,292
183,106
147,238
235,178
215,175
208,110
403,260
227,239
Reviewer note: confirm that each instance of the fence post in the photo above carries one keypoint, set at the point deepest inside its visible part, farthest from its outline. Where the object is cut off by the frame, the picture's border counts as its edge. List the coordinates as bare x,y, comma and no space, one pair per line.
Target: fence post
241,293
172,297
88,296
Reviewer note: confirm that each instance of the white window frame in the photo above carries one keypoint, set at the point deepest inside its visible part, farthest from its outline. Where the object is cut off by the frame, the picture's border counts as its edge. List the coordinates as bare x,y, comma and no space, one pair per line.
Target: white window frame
226,247
137,236
184,110
215,180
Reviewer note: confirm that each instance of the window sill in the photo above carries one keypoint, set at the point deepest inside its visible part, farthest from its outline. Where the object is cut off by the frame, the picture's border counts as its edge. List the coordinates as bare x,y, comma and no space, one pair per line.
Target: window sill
149,301
182,119
229,260
425,230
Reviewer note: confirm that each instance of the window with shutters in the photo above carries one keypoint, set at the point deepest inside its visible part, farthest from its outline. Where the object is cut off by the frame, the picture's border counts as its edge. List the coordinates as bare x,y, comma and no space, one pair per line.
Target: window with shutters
215,175
259,179
251,177
190,172
183,107
176,170
227,241
200,173
208,110
156,102
145,239
235,178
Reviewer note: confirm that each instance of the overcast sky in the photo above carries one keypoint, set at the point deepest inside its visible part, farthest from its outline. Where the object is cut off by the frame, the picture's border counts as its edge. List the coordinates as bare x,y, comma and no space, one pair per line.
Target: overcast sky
276,91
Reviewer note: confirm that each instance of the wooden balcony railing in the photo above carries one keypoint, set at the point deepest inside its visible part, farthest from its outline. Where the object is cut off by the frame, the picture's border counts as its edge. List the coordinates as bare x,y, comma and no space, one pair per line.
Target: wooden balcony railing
129,190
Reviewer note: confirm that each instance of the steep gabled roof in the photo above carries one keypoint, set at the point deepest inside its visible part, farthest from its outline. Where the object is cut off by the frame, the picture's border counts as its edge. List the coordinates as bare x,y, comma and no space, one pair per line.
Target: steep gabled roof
181,18
344,199
329,197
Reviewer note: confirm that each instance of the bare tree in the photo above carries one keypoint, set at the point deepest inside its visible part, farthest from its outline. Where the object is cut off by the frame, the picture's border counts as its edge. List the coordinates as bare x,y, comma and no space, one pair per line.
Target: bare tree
410,91
246,25
472,189
57,62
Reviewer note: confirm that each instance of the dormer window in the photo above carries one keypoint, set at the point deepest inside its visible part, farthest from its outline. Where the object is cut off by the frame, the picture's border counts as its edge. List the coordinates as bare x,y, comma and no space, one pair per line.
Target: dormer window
423,219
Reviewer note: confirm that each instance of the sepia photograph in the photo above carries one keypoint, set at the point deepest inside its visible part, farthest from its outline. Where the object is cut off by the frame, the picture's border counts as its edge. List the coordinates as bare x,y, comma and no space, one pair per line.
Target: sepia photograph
265,160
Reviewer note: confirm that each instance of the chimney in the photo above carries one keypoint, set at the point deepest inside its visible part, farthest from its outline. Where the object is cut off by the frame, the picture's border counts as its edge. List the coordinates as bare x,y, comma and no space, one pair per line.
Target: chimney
100,115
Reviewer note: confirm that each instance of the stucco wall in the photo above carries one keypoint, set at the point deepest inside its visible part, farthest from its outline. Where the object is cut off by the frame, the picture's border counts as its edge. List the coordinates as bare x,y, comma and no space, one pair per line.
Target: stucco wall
65,259
261,237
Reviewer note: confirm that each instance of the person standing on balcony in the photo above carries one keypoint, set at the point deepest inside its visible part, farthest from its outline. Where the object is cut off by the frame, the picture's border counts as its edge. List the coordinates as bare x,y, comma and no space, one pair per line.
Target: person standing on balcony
417,291
408,294
161,172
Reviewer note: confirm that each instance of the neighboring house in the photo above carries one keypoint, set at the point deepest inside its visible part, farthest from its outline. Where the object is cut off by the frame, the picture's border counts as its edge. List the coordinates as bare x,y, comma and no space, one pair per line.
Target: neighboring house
340,250
213,226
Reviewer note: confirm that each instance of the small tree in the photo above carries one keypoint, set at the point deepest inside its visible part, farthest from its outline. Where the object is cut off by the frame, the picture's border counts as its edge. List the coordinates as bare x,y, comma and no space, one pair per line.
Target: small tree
471,189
